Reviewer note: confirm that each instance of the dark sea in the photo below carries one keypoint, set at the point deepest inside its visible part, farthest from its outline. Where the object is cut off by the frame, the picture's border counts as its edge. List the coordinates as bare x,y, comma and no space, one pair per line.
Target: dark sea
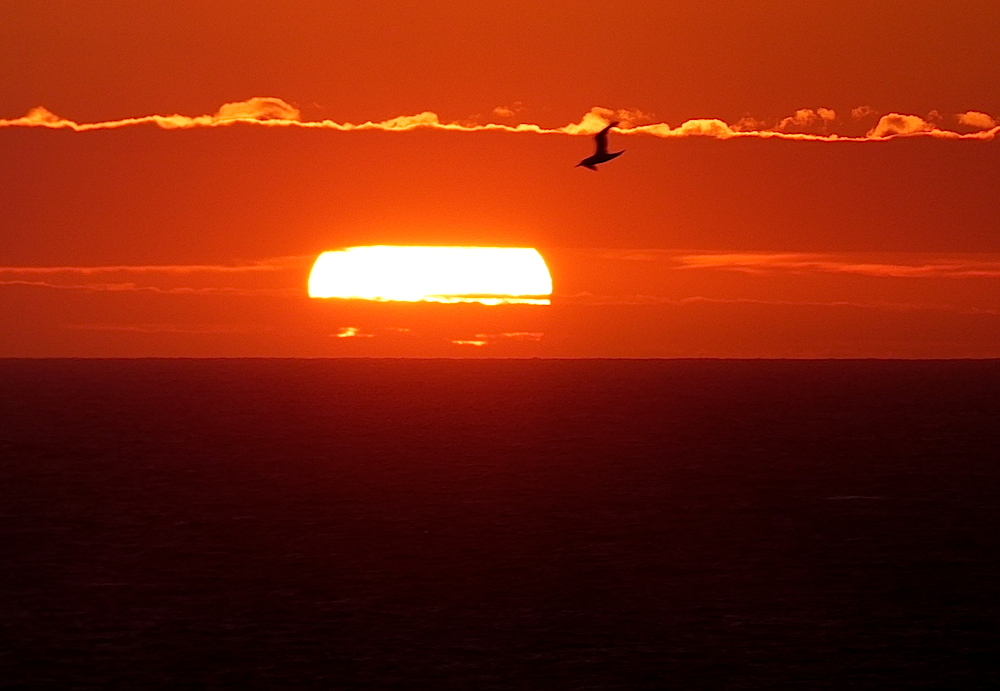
499,524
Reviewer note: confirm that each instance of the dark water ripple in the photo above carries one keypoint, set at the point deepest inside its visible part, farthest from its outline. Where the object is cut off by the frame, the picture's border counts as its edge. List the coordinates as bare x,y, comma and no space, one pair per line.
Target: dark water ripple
380,524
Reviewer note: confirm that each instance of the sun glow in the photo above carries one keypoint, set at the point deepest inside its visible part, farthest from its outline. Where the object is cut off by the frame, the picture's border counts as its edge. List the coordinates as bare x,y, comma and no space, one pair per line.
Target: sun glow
487,275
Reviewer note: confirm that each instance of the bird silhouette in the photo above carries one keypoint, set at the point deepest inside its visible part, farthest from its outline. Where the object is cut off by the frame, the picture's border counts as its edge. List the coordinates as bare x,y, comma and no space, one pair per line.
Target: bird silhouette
601,155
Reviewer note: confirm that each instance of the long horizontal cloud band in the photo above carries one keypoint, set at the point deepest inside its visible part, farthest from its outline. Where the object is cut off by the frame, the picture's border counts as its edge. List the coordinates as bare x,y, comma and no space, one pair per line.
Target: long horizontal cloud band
274,112
873,265
881,265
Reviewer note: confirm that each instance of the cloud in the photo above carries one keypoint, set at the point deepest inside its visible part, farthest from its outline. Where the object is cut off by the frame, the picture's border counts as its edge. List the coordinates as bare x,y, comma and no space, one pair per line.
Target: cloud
826,114
944,267
862,112
351,332
161,279
404,122
480,340
258,108
874,305
274,112
973,118
172,328
38,116
131,287
597,118
885,265
896,124
512,336
695,128
807,118
521,335
590,300
749,124
276,264
509,111
804,263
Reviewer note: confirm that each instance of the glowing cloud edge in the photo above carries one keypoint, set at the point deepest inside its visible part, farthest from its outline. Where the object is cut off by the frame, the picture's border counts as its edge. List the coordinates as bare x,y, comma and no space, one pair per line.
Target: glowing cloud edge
274,112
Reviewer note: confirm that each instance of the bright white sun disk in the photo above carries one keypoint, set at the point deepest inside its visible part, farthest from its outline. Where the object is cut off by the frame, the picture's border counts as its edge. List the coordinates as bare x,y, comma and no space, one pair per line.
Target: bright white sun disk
488,275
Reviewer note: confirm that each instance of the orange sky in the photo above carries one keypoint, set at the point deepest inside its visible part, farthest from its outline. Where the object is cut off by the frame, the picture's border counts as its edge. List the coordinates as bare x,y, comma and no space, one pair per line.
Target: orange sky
877,235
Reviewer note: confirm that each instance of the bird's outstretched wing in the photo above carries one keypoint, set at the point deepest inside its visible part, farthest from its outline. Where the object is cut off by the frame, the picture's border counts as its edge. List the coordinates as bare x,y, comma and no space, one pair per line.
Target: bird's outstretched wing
602,139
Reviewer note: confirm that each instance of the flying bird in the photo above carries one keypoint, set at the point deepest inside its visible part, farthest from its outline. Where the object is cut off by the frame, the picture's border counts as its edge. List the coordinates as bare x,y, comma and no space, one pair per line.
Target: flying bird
601,155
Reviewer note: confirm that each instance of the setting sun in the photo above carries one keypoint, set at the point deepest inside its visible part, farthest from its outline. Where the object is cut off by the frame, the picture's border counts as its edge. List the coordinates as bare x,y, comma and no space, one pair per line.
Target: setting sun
487,275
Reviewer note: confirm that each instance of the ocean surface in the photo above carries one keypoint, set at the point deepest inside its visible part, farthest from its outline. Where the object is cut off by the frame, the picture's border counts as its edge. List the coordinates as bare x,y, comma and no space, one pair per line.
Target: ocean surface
499,524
